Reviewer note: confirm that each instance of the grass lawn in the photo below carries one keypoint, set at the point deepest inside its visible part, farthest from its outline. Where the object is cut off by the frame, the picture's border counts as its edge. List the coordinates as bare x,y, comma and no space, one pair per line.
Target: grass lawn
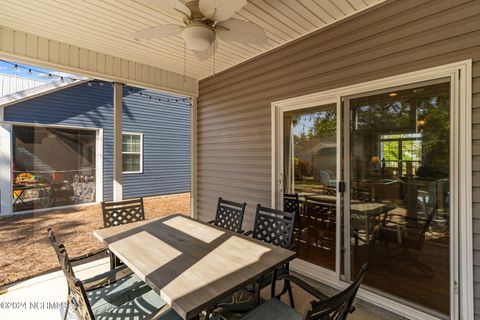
24,248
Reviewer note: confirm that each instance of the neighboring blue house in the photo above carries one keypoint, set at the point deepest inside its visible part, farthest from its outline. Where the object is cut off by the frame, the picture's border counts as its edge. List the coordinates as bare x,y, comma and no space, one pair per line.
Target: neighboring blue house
56,155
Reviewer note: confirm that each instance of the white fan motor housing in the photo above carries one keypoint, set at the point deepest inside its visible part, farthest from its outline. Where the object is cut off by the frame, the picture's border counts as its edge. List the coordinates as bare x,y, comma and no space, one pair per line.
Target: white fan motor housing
198,37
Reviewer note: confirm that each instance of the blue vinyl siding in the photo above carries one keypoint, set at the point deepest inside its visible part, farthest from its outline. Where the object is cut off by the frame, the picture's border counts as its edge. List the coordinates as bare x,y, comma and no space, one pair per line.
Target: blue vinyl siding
166,143
165,125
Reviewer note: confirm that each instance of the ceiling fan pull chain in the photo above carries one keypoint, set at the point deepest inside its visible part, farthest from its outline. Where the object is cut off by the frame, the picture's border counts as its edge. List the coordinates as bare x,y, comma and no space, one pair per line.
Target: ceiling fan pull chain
214,53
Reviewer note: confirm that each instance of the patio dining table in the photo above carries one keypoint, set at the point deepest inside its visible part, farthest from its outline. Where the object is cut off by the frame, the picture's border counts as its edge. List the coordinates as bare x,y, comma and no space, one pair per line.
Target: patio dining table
190,264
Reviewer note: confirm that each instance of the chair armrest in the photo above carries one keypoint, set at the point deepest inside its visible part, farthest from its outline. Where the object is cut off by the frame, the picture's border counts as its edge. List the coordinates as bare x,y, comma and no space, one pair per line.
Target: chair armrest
247,233
88,255
211,221
305,286
225,314
106,278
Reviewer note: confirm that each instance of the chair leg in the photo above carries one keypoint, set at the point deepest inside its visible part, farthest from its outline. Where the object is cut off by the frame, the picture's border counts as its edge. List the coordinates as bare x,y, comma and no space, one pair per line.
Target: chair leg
290,293
66,310
288,285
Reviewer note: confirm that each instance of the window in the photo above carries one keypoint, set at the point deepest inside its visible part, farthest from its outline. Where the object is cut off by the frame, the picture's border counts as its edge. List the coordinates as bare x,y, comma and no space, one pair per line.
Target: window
401,152
132,152
52,167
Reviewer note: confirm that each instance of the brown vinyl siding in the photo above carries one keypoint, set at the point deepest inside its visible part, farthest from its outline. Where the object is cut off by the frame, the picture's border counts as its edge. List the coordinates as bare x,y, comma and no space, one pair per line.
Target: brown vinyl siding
234,107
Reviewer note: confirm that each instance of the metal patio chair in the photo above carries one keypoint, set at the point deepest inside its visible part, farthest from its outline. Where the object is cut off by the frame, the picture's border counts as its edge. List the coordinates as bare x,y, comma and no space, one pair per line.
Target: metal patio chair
275,227
121,212
126,298
337,307
291,203
229,215
98,280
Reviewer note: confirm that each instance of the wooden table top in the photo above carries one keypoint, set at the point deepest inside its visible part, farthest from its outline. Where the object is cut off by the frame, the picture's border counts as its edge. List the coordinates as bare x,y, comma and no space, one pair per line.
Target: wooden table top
189,263
370,208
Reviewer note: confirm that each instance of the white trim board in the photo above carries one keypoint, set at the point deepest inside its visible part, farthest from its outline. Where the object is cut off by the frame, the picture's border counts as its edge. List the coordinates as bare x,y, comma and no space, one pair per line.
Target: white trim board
141,152
460,74
193,158
6,207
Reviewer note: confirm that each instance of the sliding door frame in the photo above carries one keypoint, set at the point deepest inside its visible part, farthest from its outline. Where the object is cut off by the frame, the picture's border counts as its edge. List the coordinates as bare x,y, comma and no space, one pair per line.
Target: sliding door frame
460,74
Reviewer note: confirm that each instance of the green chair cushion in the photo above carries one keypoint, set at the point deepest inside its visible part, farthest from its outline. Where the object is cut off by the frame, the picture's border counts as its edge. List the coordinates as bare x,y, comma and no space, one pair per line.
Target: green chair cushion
114,295
140,308
273,309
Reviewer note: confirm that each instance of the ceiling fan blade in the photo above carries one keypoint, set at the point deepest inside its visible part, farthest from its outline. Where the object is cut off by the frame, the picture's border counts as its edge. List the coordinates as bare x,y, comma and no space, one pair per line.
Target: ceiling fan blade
241,31
172,6
162,31
204,55
220,10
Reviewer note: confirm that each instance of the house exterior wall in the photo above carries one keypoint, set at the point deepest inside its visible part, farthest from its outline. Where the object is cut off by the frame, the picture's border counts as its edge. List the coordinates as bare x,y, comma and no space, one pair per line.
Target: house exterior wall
234,107
165,128
11,84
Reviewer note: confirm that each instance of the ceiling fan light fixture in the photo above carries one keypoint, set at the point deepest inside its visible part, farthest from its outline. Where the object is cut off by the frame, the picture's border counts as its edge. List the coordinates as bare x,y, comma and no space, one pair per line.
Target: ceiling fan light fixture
198,37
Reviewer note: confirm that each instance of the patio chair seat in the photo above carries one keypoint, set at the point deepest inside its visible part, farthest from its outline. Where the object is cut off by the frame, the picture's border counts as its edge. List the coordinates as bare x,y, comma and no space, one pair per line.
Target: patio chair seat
273,309
140,308
116,294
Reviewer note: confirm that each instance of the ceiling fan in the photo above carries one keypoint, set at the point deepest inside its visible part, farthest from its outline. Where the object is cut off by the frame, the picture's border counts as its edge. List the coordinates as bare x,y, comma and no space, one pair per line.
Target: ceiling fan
204,22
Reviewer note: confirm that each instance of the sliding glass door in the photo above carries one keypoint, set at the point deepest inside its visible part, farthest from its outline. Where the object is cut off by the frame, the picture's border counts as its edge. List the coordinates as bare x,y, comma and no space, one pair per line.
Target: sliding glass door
397,170
309,169
374,173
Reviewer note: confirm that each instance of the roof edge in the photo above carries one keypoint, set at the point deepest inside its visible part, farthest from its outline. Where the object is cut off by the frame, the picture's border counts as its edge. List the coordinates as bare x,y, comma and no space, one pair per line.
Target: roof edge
28,94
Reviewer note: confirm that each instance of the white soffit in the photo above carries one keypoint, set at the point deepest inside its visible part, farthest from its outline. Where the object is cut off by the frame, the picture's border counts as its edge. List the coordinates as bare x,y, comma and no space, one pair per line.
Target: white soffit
106,25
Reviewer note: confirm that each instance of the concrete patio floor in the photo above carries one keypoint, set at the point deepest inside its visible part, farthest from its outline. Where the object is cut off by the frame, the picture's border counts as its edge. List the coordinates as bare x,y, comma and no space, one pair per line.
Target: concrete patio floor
43,297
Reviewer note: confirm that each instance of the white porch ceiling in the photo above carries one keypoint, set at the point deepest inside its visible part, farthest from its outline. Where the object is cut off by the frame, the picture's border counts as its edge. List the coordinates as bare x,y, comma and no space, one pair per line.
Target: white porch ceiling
105,26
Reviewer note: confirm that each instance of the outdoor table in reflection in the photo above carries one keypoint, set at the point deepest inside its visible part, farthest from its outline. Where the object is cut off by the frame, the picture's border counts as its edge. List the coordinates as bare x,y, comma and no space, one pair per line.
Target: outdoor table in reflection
191,264
366,213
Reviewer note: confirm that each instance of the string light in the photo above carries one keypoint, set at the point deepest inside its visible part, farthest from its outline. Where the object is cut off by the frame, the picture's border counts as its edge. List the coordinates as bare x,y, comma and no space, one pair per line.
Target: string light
50,75
150,97
28,70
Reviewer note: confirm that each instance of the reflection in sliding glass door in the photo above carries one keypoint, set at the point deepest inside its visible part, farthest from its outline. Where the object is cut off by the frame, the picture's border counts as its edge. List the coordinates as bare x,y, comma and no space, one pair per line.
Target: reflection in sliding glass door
398,148
309,153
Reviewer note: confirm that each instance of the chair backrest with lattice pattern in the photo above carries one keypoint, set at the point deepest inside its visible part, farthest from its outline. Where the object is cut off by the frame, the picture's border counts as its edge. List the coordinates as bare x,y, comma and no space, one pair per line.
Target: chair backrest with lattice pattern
76,292
274,226
230,215
122,212
338,306
291,203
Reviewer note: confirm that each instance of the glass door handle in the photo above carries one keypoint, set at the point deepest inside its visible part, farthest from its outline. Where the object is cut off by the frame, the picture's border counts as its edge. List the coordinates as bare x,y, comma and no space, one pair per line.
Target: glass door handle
341,186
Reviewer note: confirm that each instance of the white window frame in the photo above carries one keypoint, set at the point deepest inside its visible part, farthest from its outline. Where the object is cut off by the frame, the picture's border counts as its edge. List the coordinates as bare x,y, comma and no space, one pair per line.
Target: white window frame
141,152
461,259
6,183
